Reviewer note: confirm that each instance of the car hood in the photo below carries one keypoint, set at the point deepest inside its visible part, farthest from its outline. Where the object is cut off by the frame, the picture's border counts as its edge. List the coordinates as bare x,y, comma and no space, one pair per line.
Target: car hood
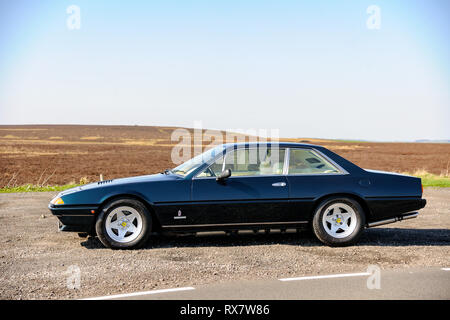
122,181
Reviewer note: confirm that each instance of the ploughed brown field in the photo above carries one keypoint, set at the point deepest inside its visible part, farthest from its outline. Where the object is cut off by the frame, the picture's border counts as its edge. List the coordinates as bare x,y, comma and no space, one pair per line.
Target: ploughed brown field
63,154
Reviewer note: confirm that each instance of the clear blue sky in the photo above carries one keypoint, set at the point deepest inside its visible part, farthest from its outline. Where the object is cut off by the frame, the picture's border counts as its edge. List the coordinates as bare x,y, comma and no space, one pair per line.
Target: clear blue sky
308,68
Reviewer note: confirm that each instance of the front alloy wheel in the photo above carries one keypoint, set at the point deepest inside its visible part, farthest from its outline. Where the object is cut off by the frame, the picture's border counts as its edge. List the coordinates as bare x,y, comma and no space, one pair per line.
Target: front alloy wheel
123,223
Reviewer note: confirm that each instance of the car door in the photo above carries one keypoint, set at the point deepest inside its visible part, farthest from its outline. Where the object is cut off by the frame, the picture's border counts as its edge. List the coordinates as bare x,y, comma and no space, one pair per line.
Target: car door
257,190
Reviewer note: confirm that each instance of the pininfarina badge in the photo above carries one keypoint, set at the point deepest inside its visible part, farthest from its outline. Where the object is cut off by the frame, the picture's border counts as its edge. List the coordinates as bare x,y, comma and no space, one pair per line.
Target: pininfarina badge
179,216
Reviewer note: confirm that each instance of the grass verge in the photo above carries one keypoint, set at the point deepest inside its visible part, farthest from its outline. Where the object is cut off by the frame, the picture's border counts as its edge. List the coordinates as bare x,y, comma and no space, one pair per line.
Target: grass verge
432,180
35,188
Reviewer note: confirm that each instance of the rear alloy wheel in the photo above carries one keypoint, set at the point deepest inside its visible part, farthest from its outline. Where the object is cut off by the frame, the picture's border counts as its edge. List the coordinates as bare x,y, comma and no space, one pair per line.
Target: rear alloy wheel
338,221
123,224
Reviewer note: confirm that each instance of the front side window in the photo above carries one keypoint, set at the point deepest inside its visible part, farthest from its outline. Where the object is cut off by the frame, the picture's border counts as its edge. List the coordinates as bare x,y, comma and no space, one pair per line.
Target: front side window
214,169
255,161
306,161
248,162
191,165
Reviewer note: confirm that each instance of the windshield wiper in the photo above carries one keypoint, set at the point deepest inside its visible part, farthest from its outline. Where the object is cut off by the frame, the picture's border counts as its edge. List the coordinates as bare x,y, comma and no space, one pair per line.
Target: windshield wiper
167,171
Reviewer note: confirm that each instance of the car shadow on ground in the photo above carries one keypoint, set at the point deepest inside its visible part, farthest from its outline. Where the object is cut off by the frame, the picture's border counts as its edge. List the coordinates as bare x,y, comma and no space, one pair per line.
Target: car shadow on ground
384,237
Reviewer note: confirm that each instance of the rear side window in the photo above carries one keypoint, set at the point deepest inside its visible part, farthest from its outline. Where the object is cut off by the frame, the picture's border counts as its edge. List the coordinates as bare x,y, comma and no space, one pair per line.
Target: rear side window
306,161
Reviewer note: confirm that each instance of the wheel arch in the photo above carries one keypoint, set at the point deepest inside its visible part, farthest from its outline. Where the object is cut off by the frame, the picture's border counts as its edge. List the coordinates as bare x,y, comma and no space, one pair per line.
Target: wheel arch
353,196
156,224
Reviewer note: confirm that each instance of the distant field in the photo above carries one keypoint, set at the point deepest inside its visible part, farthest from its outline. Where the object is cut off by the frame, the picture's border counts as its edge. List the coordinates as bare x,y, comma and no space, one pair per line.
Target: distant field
63,155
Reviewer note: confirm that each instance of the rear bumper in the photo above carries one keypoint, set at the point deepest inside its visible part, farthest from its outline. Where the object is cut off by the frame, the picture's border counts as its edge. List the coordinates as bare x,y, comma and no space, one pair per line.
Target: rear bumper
74,218
423,203
390,207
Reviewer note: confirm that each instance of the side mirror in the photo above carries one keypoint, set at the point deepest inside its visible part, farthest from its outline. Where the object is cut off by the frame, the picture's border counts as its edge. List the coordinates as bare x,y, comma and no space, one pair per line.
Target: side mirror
225,174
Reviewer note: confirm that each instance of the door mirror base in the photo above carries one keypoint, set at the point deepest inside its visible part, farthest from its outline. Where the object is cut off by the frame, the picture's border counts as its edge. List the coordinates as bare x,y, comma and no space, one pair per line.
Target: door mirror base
224,175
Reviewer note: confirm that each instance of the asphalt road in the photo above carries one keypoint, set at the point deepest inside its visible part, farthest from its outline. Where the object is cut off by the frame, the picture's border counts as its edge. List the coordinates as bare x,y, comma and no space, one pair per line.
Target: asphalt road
423,283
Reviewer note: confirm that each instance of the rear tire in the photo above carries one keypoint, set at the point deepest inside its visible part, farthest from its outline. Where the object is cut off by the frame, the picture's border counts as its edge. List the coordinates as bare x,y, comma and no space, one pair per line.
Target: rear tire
338,221
124,224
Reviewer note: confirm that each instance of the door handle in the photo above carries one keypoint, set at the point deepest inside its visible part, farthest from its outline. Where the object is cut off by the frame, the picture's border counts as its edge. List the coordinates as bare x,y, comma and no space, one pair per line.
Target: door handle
279,184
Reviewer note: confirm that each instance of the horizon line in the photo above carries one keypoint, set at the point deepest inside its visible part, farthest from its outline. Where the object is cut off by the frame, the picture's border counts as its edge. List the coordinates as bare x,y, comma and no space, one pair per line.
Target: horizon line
356,140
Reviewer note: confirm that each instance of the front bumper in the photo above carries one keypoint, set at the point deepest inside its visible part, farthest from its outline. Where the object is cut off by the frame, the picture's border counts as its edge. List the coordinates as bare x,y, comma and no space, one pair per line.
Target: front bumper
74,218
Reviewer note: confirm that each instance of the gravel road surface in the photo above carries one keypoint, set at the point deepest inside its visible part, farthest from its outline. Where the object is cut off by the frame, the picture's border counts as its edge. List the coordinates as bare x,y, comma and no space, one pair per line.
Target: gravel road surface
37,262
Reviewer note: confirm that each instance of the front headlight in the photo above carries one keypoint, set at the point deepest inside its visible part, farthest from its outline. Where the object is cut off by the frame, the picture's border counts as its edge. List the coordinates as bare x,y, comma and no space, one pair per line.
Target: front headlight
57,201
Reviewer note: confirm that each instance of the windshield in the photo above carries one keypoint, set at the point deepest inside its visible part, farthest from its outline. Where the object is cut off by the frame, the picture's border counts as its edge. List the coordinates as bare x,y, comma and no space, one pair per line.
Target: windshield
190,165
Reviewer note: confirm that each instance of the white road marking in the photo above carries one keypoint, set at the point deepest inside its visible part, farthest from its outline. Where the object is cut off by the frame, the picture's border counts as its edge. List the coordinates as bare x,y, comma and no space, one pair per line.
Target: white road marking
445,269
328,276
134,294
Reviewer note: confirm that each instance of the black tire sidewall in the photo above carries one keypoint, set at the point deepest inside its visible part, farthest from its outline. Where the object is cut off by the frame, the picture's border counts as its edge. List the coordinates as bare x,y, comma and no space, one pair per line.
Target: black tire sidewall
327,239
100,224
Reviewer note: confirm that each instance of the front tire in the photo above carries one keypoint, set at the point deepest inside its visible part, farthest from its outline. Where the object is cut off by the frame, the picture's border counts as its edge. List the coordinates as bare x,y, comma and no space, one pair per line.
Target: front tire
338,221
124,224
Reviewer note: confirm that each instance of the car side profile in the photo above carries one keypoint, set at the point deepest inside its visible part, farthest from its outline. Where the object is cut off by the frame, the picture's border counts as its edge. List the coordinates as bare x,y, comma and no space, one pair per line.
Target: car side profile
243,186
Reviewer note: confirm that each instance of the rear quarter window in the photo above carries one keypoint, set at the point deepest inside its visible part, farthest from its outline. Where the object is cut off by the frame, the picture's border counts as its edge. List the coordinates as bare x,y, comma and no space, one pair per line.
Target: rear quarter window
306,161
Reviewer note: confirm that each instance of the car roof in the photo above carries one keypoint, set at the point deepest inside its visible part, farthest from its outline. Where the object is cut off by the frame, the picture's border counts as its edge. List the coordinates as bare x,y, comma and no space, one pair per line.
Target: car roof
269,143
